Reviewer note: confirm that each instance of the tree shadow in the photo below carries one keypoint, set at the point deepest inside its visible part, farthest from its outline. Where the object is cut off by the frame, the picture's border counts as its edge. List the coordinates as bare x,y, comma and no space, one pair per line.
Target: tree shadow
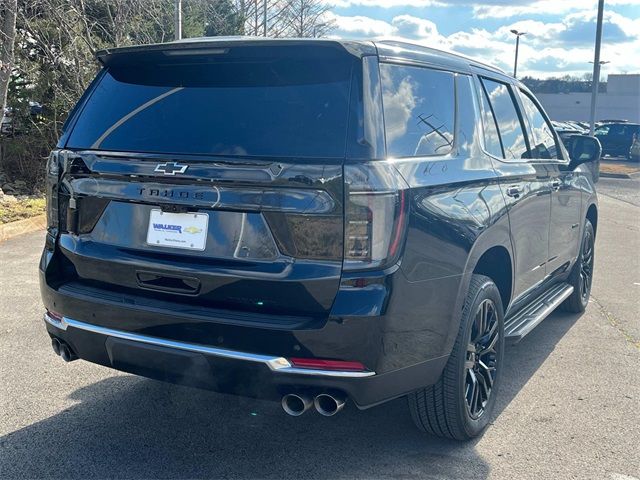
130,427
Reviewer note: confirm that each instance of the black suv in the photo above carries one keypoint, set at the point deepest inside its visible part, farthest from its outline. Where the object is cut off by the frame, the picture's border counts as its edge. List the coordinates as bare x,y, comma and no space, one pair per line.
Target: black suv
617,138
313,221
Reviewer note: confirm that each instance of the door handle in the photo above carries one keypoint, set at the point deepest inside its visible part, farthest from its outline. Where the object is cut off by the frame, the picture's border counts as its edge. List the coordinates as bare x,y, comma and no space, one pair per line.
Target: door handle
514,191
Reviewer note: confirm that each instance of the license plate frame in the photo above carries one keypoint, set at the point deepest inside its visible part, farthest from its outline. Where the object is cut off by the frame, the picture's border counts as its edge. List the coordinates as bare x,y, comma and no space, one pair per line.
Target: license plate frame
186,231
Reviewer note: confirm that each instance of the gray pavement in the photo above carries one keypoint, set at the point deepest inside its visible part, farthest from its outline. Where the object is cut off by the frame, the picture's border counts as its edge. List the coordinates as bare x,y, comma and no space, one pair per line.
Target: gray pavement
568,407
627,190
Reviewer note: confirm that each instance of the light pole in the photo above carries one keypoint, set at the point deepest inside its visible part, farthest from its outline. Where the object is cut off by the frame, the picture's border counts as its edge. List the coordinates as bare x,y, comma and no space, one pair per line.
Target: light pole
316,27
178,19
601,62
596,69
518,35
265,18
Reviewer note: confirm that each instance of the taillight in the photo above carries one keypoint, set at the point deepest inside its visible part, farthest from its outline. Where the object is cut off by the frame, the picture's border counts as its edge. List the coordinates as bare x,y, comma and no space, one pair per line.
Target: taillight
375,215
52,182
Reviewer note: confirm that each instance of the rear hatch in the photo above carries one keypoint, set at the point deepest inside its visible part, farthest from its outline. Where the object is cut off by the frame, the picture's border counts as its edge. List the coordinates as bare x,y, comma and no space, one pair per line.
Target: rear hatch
202,179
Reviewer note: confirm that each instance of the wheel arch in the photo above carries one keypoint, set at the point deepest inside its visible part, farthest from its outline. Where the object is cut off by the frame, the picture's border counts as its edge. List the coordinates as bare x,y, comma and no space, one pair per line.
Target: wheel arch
592,216
496,264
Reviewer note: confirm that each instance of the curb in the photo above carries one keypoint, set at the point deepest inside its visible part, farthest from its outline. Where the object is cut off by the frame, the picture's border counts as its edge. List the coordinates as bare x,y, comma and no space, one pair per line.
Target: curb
620,175
26,225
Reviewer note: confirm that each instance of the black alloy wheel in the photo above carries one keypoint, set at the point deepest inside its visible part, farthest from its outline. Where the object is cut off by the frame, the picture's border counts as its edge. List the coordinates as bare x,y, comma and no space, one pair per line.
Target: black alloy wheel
482,359
586,264
581,276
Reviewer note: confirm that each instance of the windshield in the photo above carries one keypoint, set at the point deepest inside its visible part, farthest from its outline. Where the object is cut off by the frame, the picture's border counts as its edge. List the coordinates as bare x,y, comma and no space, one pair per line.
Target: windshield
265,107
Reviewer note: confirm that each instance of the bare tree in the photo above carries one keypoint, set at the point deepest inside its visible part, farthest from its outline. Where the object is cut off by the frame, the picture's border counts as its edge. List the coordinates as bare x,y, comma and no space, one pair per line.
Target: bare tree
8,10
307,18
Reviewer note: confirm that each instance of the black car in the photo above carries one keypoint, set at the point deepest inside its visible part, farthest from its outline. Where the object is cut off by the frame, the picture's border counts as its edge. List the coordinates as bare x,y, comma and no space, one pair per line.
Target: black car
313,221
617,138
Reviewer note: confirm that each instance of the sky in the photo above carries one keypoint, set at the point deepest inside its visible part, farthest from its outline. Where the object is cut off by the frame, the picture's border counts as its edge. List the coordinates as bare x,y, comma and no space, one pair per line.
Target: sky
560,33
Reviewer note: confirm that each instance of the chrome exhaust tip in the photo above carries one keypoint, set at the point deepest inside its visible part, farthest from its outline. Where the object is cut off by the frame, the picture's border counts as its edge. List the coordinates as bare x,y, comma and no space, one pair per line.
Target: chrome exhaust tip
55,344
328,405
296,404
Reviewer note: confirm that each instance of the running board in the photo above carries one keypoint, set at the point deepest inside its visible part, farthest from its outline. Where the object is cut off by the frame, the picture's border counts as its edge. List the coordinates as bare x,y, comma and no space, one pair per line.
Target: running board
525,320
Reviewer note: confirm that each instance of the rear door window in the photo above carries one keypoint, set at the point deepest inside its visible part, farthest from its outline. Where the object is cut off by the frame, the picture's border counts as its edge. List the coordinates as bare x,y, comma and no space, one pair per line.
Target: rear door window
492,143
510,127
541,139
271,107
419,110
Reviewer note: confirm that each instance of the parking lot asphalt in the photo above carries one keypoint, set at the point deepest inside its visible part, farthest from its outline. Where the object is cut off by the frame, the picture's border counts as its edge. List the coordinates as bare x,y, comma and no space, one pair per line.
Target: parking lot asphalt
568,407
627,190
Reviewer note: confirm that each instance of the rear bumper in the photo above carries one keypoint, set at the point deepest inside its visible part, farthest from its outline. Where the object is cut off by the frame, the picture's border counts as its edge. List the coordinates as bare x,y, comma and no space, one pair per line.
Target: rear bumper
230,371
275,364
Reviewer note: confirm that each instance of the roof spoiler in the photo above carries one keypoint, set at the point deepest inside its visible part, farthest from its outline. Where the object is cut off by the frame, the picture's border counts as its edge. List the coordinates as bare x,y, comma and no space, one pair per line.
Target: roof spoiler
205,47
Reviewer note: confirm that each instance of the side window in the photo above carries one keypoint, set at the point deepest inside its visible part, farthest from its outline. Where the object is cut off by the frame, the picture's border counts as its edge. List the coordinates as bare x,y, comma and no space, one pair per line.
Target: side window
542,141
629,130
492,142
419,110
616,129
509,125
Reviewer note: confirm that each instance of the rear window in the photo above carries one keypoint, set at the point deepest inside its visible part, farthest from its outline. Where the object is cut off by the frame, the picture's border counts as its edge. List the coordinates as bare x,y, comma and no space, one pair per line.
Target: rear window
291,107
419,110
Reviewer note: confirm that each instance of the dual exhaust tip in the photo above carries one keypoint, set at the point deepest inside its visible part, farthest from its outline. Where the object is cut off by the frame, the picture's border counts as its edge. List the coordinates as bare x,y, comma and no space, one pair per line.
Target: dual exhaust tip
63,350
295,404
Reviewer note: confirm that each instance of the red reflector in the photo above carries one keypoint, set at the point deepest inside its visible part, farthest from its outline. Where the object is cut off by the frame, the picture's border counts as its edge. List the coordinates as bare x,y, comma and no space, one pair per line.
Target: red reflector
327,364
55,315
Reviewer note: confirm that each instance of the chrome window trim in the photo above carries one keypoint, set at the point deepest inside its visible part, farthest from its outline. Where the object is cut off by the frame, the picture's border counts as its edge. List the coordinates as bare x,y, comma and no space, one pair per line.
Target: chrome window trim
275,364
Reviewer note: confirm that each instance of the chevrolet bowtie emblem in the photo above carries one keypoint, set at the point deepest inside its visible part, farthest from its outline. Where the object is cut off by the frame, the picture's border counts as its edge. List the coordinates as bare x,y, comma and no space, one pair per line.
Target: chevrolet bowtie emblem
171,168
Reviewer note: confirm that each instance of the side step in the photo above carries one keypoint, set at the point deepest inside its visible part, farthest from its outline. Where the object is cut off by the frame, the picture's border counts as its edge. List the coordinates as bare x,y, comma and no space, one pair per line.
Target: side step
525,320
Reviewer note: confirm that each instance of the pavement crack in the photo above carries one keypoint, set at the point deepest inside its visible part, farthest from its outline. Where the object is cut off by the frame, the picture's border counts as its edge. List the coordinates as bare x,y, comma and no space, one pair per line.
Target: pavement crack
616,323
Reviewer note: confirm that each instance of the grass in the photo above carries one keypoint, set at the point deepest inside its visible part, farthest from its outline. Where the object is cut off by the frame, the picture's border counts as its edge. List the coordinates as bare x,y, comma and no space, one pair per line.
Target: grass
612,166
29,207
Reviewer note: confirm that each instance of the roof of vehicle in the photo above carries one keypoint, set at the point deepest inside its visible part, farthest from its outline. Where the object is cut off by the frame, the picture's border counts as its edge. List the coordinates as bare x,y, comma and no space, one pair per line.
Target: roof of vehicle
606,124
386,49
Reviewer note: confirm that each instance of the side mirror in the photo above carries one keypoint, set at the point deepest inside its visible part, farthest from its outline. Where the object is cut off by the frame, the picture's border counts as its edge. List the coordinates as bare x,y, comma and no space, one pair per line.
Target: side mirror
583,149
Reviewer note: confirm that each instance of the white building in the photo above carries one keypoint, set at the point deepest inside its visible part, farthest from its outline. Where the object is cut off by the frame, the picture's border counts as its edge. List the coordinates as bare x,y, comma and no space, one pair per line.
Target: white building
620,102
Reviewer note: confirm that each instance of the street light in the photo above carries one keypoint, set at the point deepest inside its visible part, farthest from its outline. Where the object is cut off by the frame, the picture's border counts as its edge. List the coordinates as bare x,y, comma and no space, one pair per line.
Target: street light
596,68
518,35
600,63
318,26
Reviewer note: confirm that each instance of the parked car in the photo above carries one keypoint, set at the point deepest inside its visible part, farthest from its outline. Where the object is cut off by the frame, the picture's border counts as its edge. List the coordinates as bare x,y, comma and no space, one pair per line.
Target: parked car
566,126
612,120
616,138
583,125
580,126
314,221
634,151
5,124
12,126
565,130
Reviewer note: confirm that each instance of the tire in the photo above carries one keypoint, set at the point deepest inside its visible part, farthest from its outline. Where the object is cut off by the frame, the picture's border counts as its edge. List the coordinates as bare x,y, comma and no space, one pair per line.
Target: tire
581,276
444,409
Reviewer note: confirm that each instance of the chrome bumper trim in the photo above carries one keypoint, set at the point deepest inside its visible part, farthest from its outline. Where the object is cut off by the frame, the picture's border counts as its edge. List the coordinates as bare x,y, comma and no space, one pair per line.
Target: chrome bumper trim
276,364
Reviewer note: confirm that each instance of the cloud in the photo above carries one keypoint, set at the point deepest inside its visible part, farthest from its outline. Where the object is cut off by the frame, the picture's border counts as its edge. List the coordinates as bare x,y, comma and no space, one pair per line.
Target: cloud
359,26
387,3
574,30
550,48
414,27
497,8
489,8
